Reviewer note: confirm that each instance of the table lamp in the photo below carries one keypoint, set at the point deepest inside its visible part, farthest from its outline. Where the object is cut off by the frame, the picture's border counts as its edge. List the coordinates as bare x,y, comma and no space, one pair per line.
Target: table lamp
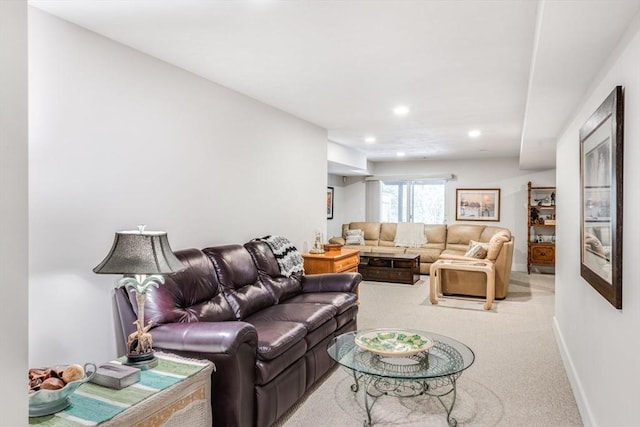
143,257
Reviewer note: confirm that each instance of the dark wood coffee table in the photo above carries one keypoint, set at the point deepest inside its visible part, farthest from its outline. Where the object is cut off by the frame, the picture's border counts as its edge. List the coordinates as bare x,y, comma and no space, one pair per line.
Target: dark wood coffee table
390,267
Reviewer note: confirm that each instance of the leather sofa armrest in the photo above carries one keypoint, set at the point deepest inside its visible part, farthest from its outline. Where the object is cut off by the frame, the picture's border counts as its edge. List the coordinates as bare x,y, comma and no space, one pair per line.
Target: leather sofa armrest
331,282
232,347
205,337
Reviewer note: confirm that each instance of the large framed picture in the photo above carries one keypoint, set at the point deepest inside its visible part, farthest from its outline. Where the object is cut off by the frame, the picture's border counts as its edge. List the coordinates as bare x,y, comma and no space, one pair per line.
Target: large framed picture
477,204
329,202
601,150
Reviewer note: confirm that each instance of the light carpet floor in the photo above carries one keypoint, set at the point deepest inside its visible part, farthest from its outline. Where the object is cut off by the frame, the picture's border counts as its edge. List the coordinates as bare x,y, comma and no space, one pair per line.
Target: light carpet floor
517,378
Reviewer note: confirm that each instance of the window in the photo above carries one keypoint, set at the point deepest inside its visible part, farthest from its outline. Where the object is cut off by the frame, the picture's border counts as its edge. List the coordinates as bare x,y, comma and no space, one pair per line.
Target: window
412,201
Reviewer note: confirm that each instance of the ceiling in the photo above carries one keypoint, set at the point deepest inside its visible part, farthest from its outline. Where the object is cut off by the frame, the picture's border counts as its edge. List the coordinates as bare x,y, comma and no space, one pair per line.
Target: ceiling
513,69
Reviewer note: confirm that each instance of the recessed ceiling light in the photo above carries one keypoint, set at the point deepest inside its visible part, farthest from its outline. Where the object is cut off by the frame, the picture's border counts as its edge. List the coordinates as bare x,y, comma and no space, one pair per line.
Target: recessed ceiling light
401,110
400,154
474,133
370,139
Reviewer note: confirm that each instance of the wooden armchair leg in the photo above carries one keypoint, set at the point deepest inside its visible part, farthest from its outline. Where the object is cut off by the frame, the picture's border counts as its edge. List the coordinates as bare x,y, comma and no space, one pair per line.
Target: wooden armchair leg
433,284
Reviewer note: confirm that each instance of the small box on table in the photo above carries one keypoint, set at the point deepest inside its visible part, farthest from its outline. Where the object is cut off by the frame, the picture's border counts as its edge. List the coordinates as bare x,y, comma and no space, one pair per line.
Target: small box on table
115,375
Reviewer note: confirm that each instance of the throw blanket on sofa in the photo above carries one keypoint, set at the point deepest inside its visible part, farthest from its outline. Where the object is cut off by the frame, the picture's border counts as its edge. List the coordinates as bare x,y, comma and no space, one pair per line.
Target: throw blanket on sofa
410,234
289,259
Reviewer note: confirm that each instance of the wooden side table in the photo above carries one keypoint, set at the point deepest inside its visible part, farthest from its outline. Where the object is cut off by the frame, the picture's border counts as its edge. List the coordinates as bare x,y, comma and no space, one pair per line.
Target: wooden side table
486,267
342,261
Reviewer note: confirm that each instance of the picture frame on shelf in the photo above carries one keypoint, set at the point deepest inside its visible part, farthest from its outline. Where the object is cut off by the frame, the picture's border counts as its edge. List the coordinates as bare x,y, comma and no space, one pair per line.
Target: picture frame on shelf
329,202
601,181
477,204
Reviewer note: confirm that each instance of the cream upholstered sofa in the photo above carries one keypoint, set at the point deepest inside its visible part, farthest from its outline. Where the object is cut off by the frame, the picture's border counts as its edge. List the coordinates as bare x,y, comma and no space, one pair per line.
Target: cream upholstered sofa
444,242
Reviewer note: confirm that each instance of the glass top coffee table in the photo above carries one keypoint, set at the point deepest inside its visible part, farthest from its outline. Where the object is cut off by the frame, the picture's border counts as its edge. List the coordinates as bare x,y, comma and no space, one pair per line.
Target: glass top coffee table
403,363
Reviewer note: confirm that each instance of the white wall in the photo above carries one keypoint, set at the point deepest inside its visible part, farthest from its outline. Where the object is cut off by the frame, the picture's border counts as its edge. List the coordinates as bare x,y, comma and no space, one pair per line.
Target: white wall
346,157
349,203
482,173
118,139
600,344
13,211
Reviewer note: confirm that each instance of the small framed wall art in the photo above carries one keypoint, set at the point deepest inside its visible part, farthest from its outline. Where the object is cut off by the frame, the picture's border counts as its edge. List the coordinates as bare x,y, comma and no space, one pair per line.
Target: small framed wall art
329,202
477,204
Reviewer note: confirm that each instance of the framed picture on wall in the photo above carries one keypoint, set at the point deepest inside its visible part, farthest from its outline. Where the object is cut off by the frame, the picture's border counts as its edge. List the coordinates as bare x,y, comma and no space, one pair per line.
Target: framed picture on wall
329,202
477,204
601,149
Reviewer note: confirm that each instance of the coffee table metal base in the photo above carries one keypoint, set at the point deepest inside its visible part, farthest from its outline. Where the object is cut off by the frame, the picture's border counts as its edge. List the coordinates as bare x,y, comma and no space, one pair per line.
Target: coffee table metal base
432,373
375,387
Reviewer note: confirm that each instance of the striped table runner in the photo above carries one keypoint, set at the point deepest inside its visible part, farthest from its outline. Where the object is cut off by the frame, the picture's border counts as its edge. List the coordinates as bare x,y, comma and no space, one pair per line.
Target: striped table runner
92,404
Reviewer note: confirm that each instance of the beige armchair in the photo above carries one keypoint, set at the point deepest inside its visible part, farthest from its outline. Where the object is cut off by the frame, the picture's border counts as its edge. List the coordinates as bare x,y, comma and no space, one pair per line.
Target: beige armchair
474,283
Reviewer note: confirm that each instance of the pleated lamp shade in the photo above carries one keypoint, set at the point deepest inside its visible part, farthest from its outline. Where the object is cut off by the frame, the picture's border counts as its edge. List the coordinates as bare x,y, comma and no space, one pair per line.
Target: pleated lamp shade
140,252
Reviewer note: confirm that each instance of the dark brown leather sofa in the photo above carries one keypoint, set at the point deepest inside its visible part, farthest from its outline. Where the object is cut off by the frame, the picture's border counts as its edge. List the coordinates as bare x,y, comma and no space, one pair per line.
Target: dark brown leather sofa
266,333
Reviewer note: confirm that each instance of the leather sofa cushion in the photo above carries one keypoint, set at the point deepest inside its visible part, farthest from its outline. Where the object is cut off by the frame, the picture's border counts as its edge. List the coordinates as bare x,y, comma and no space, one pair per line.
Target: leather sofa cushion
436,235
238,276
426,254
274,398
459,235
490,231
266,370
496,242
263,257
320,333
280,286
447,253
371,231
346,317
190,295
277,337
342,301
309,315
388,233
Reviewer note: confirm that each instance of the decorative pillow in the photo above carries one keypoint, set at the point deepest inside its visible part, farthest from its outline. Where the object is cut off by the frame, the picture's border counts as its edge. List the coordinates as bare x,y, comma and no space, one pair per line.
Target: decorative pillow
495,244
354,237
477,250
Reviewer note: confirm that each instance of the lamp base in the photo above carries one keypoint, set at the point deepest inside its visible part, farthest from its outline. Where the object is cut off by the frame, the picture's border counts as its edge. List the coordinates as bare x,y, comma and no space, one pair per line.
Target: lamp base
142,361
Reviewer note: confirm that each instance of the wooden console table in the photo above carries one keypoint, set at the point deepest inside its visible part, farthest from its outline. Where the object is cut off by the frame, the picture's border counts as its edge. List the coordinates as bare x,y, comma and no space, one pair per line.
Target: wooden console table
390,267
175,393
486,267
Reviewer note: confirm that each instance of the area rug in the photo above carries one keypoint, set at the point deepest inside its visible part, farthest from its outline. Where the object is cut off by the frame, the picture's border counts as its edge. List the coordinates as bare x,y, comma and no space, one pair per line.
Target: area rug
517,379
476,405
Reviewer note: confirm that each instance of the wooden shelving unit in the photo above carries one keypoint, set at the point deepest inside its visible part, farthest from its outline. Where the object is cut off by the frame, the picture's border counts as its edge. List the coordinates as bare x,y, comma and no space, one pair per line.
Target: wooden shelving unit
541,229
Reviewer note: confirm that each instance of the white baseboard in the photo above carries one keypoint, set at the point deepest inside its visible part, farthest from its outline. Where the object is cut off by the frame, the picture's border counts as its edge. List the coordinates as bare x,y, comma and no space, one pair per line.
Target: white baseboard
574,380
